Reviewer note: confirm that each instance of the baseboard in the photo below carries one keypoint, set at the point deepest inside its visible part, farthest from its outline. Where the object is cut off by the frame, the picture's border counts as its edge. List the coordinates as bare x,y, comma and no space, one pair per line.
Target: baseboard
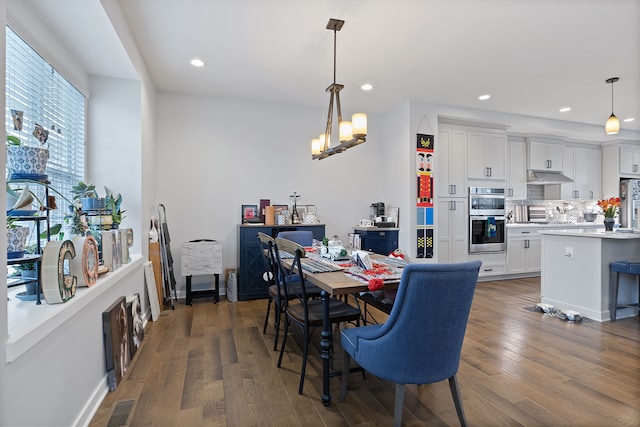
93,404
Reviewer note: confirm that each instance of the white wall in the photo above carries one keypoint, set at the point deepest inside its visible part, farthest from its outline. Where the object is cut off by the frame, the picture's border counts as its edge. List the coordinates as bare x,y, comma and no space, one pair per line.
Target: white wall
215,155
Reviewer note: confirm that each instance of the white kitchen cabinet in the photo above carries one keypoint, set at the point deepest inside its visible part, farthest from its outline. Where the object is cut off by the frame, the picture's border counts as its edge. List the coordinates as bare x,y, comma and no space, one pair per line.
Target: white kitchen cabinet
629,161
584,166
452,220
517,169
449,171
493,264
523,251
486,155
545,155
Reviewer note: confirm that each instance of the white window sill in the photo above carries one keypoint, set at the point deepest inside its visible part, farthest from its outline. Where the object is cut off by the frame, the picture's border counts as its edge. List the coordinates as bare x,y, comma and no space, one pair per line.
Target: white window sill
29,323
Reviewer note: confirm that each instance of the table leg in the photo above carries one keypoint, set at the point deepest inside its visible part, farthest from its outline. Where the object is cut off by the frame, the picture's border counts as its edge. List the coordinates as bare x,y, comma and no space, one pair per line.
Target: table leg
325,345
217,288
188,301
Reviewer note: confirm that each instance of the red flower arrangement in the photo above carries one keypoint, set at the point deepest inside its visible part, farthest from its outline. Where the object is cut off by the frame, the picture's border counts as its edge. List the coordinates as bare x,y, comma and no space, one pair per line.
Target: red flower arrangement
375,284
609,206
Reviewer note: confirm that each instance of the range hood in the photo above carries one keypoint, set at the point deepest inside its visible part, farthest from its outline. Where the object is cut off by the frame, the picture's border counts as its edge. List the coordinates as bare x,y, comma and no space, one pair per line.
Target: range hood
547,177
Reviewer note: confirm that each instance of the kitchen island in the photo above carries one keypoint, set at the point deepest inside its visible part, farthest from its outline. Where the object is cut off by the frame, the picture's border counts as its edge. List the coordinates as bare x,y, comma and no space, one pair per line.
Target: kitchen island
575,270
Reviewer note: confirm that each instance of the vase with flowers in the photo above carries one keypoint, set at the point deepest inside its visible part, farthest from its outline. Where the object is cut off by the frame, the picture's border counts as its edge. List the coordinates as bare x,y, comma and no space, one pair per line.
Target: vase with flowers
609,209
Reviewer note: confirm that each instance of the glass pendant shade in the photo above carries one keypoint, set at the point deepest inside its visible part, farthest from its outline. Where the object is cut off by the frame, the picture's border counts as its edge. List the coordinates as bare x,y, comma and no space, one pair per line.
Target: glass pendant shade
322,142
359,124
315,146
613,125
346,131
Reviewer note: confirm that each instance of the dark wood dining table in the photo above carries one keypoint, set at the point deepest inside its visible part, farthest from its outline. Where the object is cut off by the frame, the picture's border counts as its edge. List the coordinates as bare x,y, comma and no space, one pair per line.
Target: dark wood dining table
335,283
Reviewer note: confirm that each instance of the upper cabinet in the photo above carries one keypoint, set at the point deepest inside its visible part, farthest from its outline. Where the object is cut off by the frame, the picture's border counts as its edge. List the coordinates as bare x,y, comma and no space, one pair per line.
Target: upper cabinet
486,155
451,149
630,161
546,155
584,166
517,169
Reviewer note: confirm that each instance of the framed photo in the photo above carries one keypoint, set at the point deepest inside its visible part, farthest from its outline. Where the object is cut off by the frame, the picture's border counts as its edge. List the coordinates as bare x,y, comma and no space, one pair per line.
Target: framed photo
280,208
250,213
135,324
302,211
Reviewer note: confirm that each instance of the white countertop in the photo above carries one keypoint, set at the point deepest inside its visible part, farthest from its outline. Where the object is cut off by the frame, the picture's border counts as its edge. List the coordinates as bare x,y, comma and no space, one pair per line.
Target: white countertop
589,225
599,234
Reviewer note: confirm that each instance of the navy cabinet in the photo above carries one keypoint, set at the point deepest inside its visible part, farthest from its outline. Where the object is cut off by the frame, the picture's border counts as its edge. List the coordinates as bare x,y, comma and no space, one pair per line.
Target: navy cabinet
251,267
378,240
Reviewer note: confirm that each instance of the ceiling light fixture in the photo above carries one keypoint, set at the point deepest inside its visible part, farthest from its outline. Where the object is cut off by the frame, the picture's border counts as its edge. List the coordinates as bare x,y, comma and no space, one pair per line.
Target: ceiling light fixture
350,133
484,97
197,62
565,109
613,124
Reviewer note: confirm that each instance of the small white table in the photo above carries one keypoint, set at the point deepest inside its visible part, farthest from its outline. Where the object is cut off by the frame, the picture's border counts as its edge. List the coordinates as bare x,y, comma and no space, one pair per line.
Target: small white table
200,257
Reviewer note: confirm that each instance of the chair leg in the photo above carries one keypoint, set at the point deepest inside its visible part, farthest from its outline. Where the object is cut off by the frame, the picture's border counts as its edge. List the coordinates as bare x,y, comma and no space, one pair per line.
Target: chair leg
346,365
284,340
305,353
266,318
397,409
613,303
278,312
453,384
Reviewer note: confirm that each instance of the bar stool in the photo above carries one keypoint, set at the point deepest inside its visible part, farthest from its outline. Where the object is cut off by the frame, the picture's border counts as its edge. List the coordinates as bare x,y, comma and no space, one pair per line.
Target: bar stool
626,267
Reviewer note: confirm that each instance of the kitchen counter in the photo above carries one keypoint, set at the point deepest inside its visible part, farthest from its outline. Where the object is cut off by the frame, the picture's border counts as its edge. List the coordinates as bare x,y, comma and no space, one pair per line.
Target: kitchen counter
575,270
556,225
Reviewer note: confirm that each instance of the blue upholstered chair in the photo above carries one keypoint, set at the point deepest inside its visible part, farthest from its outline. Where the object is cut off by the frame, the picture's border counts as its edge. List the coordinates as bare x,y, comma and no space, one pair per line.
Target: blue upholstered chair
301,237
421,341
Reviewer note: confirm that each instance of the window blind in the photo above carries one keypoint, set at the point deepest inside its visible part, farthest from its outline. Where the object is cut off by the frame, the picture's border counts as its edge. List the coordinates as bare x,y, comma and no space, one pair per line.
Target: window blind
45,97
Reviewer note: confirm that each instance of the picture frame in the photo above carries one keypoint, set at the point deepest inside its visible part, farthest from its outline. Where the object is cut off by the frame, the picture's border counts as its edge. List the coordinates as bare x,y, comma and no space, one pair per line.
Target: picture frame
154,301
116,342
250,213
135,324
278,209
302,212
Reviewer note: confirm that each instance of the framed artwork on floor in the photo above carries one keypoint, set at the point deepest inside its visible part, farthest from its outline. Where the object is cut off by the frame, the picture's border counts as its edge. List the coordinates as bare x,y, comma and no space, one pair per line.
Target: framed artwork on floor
116,342
135,324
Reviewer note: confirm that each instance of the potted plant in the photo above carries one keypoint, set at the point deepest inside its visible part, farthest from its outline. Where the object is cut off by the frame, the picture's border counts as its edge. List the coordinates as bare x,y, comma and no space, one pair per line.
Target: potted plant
16,238
112,206
609,209
26,161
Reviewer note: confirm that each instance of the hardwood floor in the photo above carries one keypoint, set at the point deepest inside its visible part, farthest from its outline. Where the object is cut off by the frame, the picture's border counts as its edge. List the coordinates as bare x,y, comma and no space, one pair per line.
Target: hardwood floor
211,365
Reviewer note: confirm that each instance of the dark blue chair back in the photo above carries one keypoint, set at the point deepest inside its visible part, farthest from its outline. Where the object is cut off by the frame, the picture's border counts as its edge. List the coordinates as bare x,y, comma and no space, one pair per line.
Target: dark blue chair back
301,237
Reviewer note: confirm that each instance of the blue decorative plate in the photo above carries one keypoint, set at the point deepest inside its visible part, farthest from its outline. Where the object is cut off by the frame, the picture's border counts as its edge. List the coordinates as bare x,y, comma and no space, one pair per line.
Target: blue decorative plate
19,212
30,176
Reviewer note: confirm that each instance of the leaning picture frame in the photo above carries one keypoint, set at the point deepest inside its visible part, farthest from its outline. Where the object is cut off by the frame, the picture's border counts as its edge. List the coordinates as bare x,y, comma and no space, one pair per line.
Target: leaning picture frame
250,213
278,209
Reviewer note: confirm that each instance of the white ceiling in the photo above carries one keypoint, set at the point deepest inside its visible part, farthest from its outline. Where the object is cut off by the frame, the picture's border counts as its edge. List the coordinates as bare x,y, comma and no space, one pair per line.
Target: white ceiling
532,56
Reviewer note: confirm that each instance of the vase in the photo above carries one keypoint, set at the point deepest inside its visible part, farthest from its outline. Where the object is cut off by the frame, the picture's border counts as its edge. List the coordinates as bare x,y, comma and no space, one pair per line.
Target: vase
608,224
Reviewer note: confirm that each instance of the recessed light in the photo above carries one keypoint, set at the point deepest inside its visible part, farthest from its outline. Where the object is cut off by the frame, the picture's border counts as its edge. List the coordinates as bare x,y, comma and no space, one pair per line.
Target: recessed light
630,119
565,109
366,86
197,62
484,97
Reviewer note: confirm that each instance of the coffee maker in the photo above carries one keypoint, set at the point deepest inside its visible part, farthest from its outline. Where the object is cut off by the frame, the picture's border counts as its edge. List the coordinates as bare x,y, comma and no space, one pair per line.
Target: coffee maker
378,216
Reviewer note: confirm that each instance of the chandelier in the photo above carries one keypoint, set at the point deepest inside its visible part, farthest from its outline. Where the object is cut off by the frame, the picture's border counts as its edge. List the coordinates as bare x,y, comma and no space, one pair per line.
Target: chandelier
350,133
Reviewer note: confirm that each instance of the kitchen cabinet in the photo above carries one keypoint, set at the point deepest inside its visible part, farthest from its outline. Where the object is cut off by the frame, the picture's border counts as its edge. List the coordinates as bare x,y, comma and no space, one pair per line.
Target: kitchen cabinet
378,240
449,172
545,155
517,169
486,155
452,219
493,264
524,250
630,162
584,166
251,265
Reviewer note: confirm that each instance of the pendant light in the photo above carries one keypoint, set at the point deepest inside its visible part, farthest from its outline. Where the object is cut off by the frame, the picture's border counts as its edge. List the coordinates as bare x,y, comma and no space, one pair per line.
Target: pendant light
350,133
613,124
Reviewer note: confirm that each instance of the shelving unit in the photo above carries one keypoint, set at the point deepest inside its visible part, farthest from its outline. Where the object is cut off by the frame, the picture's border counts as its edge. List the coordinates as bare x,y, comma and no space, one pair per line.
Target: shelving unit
37,257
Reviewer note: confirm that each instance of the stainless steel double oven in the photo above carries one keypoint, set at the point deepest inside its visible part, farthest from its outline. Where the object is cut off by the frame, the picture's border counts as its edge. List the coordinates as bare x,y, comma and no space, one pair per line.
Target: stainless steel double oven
487,232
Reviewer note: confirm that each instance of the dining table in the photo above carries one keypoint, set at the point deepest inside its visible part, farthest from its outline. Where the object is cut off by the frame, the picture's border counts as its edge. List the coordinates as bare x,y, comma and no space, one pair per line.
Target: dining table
334,284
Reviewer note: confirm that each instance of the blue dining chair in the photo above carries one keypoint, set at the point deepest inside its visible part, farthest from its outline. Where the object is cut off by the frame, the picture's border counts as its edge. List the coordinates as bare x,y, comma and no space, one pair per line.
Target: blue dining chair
421,341
301,237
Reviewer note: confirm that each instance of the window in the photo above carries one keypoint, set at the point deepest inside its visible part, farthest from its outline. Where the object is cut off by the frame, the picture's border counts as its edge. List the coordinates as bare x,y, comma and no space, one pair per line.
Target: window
45,97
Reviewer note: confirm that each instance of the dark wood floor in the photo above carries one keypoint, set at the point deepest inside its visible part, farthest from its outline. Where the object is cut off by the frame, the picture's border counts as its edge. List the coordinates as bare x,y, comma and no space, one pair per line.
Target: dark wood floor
211,365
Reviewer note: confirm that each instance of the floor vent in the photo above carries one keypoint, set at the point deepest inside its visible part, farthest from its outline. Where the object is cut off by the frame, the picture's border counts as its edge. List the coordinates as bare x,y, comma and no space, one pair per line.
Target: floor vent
121,413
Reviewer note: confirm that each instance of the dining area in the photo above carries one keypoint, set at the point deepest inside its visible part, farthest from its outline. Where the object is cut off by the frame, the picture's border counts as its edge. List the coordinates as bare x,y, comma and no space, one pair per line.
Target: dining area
426,324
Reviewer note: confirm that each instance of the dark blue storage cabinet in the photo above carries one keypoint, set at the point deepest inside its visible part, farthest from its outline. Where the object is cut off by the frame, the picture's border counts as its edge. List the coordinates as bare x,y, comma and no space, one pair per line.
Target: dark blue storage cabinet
250,283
